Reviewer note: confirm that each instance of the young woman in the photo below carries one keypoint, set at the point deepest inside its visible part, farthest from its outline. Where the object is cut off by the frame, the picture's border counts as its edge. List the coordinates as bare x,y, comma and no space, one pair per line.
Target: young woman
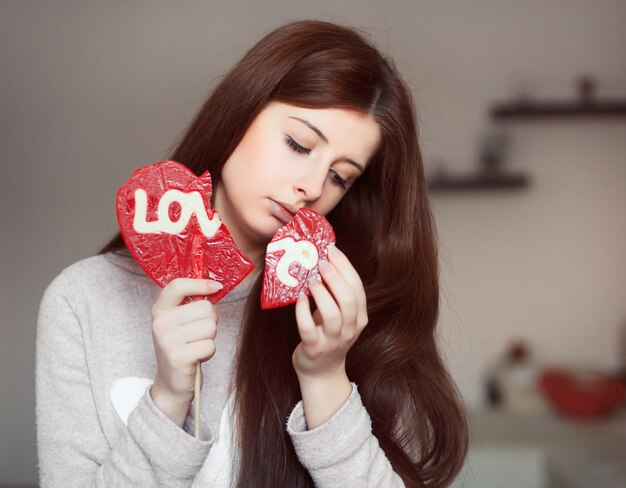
352,395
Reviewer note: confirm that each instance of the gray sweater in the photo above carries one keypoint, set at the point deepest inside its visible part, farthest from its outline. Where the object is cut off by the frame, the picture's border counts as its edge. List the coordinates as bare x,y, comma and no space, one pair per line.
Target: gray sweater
97,424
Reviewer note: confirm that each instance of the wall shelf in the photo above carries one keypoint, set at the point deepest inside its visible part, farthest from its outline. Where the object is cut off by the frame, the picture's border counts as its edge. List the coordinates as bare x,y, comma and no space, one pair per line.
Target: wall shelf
541,110
477,181
491,177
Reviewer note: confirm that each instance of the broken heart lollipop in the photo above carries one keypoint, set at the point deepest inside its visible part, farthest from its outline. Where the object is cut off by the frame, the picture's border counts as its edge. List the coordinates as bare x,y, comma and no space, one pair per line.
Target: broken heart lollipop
292,257
165,217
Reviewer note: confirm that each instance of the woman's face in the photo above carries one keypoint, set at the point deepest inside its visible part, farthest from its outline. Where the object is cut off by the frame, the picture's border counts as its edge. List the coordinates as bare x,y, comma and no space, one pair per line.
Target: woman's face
291,157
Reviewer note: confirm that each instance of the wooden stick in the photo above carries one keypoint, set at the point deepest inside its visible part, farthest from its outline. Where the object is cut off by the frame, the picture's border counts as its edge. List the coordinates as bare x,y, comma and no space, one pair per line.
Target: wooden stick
197,253
196,414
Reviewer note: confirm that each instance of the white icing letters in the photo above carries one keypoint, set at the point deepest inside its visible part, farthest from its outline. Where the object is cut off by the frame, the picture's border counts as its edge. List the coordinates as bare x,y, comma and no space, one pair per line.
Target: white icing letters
190,203
303,252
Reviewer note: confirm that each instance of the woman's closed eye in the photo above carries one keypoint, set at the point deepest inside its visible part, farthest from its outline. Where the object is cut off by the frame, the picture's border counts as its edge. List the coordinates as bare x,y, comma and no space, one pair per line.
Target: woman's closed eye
338,180
294,146
334,176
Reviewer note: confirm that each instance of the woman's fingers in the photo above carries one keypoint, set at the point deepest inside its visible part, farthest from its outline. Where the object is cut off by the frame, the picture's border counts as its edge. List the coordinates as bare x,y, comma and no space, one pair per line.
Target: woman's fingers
201,350
197,310
309,333
342,292
197,331
344,267
340,299
332,319
177,290
183,332
341,315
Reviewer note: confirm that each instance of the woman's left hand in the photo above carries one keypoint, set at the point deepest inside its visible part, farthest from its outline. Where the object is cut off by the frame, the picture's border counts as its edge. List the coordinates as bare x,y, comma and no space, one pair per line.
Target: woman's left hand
341,315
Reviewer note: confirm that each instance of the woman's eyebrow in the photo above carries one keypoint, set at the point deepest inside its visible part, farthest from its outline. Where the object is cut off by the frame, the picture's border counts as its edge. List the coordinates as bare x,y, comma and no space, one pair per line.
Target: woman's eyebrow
312,127
323,137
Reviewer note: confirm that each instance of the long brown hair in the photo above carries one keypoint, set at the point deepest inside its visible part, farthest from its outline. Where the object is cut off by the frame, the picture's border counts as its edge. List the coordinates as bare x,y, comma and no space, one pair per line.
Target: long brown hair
383,224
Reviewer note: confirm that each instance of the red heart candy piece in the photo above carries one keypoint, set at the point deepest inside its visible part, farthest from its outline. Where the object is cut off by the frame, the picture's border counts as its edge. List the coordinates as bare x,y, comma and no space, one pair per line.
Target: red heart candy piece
165,217
292,257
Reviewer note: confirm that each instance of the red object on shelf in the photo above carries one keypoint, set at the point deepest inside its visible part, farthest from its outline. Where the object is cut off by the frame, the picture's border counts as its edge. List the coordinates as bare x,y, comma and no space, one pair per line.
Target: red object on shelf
582,394
165,217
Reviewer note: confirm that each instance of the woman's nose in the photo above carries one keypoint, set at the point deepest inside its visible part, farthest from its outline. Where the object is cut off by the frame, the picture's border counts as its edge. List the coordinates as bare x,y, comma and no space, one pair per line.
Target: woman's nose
311,184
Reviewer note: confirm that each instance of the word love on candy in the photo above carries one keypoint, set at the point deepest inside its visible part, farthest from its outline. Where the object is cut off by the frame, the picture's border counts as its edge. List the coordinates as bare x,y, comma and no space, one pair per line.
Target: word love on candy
292,258
165,217
190,203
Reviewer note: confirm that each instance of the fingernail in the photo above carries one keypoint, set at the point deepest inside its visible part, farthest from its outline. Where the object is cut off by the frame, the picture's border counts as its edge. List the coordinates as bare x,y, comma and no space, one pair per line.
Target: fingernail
216,285
314,280
333,250
324,265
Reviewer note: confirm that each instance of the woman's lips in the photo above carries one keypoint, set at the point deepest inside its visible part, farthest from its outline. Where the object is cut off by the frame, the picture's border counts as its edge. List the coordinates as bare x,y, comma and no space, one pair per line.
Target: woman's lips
281,212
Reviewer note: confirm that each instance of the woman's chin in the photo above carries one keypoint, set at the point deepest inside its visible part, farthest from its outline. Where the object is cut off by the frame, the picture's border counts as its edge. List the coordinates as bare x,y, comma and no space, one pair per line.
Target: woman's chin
263,234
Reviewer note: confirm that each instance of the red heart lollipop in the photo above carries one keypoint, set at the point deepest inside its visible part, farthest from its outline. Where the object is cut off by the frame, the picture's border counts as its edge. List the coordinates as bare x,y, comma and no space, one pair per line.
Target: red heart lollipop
165,217
292,257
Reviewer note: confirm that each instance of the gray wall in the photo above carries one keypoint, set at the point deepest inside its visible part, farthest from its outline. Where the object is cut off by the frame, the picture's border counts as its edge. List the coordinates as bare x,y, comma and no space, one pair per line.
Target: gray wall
90,90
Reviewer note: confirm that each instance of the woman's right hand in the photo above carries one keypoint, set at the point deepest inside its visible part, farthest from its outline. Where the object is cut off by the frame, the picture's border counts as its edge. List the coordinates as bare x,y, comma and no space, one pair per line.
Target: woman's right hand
183,334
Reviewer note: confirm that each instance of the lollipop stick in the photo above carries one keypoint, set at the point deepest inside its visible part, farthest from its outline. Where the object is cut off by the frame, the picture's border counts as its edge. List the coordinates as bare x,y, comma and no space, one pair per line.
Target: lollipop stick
197,260
196,416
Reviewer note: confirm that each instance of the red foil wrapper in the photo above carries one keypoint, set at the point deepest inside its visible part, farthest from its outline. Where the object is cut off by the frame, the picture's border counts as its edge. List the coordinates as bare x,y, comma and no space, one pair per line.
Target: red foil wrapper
292,258
165,217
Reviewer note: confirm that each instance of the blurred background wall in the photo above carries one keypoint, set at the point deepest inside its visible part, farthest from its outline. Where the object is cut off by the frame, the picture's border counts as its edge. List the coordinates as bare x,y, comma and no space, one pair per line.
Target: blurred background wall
91,90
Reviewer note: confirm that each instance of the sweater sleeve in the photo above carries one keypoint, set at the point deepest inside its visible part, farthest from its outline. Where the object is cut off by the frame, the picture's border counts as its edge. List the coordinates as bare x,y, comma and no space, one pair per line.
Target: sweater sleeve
343,451
72,448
